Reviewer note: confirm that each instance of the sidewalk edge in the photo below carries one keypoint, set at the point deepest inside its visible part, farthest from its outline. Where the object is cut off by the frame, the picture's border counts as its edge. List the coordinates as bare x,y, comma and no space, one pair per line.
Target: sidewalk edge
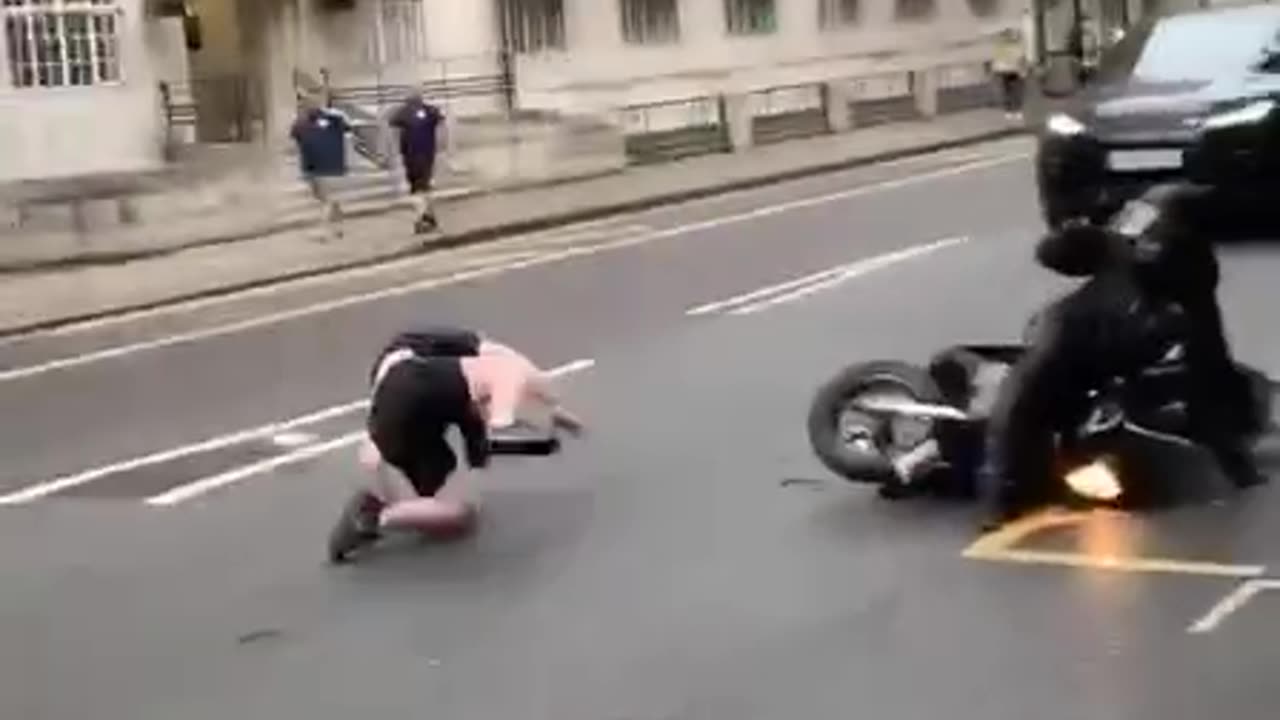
485,234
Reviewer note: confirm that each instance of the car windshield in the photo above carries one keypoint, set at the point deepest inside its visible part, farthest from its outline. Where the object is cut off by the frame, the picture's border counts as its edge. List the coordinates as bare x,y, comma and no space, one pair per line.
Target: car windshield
1191,47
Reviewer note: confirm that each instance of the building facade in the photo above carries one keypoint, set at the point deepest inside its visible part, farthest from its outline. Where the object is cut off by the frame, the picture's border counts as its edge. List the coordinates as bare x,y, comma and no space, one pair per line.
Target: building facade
94,86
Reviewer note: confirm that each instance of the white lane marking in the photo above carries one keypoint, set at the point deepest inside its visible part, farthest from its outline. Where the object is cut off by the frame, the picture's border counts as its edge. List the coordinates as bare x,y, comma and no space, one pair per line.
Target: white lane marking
1232,603
292,439
762,292
40,490
182,493
489,271
856,270
571,367
797,288
276,429
514,247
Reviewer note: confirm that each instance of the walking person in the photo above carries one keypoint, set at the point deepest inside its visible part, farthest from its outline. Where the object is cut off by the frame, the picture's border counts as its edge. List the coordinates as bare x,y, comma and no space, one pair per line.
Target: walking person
321,137
419,124
1010,66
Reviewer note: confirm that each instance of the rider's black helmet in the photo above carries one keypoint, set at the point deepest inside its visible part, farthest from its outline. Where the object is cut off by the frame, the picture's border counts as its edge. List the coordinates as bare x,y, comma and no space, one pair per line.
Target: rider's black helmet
1165,235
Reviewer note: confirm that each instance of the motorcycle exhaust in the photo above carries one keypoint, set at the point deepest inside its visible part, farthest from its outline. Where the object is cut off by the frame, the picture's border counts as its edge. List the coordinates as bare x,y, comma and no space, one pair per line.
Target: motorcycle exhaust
910,407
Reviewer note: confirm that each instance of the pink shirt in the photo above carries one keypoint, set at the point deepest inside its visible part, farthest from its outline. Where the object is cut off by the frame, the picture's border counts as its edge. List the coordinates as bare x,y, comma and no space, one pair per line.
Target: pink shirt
502,384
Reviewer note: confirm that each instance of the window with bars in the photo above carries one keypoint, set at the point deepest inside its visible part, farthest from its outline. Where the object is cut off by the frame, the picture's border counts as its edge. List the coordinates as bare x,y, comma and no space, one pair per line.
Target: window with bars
837,13
650,22
533,25
750,17
61,43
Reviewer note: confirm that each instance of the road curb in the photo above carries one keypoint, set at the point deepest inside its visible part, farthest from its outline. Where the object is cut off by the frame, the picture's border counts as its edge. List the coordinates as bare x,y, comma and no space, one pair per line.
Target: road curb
109,258
485,234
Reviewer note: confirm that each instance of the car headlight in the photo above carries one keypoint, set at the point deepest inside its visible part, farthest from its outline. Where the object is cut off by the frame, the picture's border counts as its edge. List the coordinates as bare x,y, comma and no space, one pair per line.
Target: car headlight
1253,113
1065,125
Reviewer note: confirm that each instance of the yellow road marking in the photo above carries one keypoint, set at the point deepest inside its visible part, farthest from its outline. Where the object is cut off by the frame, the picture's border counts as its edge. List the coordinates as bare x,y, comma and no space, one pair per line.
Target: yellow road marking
1009,535
1123,564
999,546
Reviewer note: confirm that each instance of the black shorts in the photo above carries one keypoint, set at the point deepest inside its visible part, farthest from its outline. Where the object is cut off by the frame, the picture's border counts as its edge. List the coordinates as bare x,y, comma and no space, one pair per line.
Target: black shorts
409,416
418,172
428,467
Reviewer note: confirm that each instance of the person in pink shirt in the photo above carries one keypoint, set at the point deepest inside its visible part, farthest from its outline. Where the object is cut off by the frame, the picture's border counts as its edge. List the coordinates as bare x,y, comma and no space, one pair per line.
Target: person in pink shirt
416,399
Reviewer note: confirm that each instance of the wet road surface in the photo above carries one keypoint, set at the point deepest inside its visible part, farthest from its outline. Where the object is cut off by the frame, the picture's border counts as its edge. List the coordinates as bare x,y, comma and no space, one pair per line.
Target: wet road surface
161,543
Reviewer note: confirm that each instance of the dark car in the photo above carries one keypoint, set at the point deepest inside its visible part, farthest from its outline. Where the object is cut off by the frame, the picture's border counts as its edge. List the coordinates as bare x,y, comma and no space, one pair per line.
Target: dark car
1186,96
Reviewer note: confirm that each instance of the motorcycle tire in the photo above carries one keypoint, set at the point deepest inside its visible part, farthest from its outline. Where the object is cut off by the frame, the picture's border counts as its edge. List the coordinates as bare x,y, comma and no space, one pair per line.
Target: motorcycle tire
824,426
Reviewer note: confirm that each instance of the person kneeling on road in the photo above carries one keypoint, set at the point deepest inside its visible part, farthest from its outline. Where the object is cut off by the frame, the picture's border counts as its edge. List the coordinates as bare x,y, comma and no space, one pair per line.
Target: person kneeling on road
416,399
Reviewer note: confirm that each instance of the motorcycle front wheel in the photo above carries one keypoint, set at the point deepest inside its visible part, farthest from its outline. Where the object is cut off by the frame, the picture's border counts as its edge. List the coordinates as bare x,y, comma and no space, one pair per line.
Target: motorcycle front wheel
858,444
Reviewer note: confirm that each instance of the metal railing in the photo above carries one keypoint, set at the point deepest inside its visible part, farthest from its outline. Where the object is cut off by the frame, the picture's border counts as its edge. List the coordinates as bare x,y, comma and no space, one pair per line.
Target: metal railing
704,111
368,104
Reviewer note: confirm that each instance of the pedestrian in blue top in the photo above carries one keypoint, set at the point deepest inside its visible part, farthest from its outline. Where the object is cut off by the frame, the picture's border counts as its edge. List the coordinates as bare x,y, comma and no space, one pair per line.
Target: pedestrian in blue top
419,123
321,136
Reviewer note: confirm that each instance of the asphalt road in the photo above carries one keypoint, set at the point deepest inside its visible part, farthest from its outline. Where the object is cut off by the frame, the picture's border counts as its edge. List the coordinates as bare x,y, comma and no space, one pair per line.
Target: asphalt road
688,560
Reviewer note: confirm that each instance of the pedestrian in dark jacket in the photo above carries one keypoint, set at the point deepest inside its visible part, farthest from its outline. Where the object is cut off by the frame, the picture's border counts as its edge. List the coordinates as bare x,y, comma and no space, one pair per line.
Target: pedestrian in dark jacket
419,124
321,136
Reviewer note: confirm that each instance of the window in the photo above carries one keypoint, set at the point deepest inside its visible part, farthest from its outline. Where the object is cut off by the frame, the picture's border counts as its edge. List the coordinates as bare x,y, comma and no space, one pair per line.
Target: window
914,9
402,32
533,25
837,13
750,17
1192,47
649,22
61,43
985,8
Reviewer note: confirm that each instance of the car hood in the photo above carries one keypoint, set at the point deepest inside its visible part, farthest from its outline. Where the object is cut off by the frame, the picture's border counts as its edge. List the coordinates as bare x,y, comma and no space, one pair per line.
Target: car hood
1162,107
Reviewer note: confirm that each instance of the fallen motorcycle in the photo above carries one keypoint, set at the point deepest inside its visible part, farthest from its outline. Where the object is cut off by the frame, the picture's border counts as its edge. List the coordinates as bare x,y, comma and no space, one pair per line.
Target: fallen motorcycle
920,430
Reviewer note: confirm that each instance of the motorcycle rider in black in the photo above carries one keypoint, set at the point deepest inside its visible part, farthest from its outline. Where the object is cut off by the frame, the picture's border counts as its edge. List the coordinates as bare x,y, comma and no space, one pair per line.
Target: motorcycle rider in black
1104,324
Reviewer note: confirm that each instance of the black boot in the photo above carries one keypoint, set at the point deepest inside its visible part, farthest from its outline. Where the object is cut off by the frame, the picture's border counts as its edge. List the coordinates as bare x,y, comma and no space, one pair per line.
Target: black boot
426,224
357,526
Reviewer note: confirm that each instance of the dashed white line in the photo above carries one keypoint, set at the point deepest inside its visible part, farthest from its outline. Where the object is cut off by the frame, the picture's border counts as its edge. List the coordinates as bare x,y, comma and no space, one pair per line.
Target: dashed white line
40,490
511,248
853,271
719,305
489,271
186,492
293,439
200,487
792,290
31,493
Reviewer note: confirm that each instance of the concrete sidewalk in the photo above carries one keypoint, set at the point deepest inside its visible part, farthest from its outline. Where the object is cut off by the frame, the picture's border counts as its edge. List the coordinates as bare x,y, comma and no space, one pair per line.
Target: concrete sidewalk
37,300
